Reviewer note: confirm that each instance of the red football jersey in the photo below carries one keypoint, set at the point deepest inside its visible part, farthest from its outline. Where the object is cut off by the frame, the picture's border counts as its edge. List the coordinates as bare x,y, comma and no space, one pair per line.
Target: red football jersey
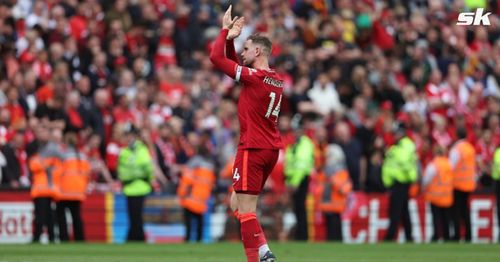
259,107
260,99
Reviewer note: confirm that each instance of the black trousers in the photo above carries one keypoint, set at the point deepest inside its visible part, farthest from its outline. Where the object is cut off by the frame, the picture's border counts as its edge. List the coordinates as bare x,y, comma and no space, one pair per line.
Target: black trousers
135,205
299,208
440,223
398,211
333,227
74,208
497,194
43,217
188,222
461,213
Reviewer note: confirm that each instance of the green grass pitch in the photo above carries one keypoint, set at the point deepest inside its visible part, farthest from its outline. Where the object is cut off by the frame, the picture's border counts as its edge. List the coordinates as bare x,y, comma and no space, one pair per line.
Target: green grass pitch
222,252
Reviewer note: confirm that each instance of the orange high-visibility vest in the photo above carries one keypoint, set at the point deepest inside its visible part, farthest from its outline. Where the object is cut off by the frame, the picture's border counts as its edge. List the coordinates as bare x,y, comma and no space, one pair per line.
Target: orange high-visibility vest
464,174
45,173
74,178
440,191
195,188
340,185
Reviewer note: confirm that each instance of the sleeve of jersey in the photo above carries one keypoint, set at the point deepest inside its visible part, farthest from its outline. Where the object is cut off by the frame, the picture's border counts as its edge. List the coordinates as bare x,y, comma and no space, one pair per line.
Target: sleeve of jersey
231,52
218,58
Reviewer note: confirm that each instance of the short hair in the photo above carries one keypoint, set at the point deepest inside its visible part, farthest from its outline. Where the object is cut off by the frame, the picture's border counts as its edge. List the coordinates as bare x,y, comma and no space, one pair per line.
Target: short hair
263,41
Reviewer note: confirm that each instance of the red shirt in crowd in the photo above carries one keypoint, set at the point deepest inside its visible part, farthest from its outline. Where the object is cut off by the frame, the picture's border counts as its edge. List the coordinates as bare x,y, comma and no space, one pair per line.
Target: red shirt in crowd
112,153
160,114
444,138
441,93
5,135
22,157
16,113
485,151
174,91
75,119
78,25
45,93
121,115
165,54
43,70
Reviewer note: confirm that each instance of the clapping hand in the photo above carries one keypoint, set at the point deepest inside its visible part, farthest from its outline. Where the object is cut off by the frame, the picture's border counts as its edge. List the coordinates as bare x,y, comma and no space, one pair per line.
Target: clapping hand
227,21
235,31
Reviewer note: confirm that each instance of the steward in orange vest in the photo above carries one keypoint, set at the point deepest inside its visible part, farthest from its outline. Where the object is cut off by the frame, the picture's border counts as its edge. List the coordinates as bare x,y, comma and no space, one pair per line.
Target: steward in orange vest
463,162
45,168
195,189
463,158
437,183
45,173
73,187
336,186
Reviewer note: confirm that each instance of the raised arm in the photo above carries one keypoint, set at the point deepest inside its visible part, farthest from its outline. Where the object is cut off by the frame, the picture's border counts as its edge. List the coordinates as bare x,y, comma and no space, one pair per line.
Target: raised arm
231,52
218,58
231,28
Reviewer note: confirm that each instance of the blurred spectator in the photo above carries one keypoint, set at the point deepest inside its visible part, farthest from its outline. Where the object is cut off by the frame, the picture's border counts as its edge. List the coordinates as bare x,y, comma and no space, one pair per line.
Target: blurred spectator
77,117
101,117
299,163
195,189
374,173
336,186
100,172
119,12
437,185
165,152
324,96
14,173
27,97
17,114
52,113
165,53
356,164
98,71
117,141
45,166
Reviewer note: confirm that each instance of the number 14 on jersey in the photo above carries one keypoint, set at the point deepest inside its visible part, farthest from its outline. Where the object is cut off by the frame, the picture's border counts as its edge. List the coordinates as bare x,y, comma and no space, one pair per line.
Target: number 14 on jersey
276,110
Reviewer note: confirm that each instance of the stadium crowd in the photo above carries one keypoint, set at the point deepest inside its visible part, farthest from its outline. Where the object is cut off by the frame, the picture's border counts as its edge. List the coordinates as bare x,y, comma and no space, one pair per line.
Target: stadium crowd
353,71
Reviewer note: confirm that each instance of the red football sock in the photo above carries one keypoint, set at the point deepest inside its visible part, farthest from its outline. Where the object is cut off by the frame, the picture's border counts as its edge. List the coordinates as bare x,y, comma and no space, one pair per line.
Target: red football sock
252,236
262,237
